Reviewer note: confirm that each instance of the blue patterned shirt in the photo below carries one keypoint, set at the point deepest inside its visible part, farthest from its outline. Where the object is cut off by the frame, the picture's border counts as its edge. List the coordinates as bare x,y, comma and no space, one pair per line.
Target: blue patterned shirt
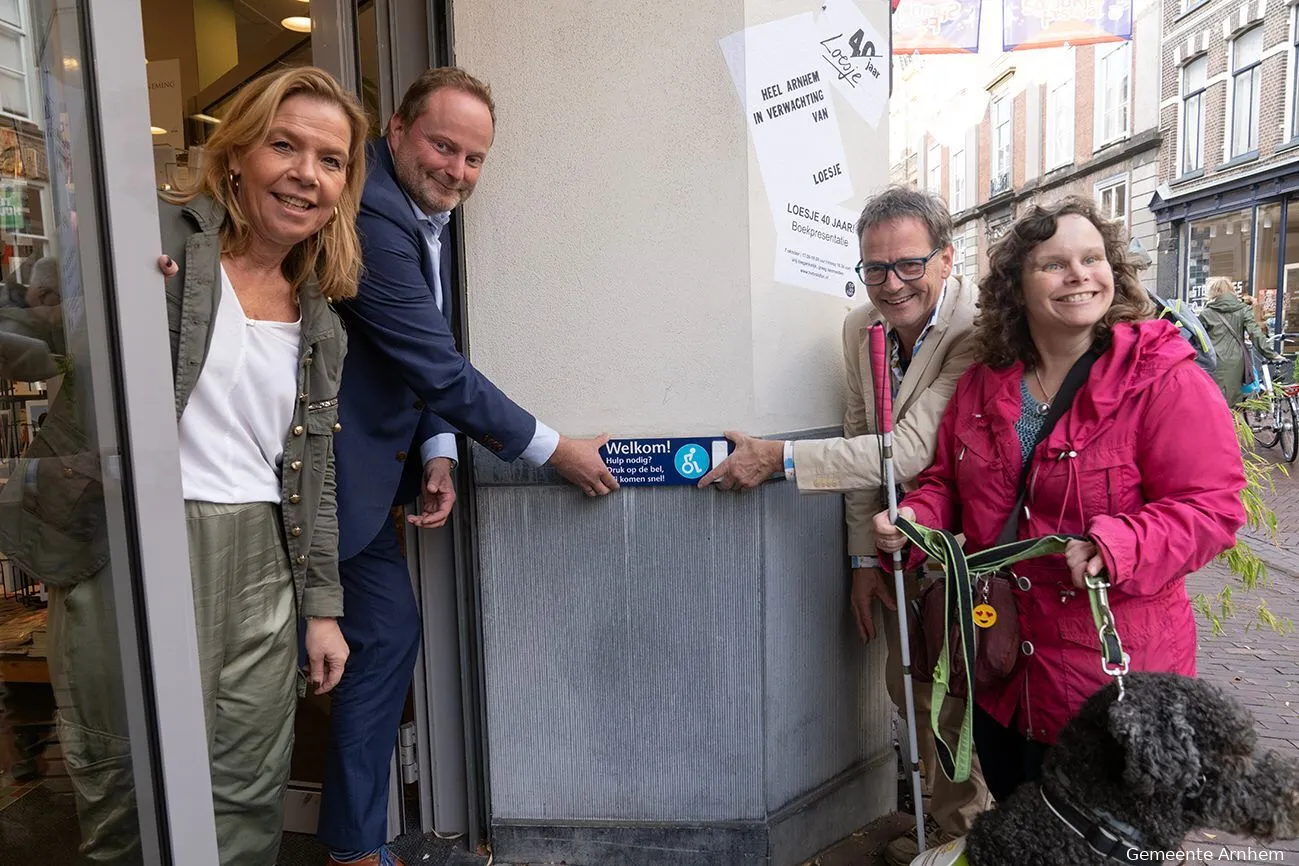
898,361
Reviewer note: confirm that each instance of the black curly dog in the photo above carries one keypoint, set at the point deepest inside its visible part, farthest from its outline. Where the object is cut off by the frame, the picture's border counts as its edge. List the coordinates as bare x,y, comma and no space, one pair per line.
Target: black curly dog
1135,776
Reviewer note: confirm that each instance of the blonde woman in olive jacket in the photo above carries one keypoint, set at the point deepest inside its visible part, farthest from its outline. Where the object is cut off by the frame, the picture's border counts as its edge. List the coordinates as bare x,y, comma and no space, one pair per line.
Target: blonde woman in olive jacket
267,240
255,252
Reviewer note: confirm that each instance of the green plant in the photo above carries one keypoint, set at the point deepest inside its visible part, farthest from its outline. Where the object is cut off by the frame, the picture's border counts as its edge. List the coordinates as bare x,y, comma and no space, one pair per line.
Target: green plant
1241,560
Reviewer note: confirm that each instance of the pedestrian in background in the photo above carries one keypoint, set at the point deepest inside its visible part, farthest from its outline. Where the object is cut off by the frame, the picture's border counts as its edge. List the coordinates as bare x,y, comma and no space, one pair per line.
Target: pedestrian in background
1230,321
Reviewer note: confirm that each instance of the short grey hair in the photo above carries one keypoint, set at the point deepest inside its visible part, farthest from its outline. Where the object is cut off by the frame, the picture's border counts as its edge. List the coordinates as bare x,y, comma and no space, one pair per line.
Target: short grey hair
906,202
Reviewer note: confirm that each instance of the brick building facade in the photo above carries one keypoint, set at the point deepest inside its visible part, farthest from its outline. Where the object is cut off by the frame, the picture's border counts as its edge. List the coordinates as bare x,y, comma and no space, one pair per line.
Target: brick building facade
1035,126
1228,199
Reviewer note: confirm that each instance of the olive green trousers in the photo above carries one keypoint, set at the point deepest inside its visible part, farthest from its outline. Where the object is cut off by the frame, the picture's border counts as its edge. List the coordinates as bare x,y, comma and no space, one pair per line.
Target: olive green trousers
246,622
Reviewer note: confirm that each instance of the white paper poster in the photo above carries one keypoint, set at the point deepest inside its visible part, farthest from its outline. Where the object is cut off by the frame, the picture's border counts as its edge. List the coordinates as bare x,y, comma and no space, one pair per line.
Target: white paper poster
855,57
165,103
816,247
784,87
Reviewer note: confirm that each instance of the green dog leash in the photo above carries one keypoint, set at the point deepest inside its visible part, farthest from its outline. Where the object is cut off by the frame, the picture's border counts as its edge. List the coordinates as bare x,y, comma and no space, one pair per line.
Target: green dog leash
962,571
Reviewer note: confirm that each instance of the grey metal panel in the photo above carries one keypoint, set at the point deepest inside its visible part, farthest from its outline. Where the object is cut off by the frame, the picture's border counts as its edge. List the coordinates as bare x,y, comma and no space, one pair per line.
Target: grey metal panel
838,810
732,844
420,691
444,759
816,679
409,52
333,41
138,317
623,652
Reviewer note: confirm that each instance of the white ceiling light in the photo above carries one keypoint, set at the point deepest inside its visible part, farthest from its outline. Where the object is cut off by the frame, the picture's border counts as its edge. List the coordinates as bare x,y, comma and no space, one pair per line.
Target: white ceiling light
157,130
297,23
206,118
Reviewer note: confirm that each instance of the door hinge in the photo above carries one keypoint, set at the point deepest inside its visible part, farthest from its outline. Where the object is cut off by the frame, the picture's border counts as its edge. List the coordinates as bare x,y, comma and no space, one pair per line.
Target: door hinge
407,756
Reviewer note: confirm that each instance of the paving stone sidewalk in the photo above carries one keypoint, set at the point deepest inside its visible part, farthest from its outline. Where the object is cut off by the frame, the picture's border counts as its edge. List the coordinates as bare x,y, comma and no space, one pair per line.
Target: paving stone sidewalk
1256,664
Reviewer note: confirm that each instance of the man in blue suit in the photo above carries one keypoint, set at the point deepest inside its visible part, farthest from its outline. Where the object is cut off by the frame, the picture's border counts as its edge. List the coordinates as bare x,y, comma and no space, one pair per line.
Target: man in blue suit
404,387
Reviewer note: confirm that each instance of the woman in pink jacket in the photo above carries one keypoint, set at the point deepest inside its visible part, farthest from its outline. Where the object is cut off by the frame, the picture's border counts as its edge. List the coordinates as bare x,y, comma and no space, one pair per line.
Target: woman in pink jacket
1144,463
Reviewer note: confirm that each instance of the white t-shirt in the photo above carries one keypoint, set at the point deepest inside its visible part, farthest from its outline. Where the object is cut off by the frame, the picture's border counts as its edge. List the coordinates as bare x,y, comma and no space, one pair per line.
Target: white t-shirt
233,428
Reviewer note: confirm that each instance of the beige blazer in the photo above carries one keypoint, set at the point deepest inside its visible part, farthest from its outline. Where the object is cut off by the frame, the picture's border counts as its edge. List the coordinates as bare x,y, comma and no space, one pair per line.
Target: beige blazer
852,465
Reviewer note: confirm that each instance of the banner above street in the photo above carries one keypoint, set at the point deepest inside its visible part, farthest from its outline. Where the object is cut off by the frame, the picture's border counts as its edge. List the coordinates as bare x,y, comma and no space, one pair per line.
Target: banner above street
936,27
1027,24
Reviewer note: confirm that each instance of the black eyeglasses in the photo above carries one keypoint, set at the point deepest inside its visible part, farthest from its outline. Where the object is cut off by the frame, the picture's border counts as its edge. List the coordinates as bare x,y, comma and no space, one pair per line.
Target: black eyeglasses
908,270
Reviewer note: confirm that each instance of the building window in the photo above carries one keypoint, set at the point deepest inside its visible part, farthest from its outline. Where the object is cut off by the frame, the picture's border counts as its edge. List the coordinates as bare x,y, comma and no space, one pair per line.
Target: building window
934,169
1267,279
1218,247
957,202
1290,278
1195,78
1113,92
1246,88
1112,197
13,62
958,256
1059,117
1003,110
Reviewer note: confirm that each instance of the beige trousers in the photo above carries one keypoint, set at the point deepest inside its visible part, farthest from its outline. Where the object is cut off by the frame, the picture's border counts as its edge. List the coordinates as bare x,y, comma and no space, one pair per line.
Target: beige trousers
245,613
952,805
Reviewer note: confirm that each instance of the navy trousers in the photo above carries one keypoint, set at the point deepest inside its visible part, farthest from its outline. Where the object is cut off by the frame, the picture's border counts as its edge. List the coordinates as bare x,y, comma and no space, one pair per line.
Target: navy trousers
382,627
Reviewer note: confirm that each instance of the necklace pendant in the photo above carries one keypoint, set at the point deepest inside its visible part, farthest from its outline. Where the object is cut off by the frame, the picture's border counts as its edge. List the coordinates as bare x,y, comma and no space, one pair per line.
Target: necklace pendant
1043,408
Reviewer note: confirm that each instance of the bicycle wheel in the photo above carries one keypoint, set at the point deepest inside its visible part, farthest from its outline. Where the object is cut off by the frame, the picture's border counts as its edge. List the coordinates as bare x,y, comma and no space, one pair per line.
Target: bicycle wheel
1263,423
1288,435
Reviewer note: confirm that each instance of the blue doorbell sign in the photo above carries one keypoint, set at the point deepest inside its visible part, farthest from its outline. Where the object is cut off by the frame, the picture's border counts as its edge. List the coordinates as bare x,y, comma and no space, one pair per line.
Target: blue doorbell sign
663,461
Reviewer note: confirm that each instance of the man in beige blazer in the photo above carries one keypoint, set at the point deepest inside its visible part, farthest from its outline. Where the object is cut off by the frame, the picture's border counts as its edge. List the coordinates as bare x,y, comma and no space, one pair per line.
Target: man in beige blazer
906,266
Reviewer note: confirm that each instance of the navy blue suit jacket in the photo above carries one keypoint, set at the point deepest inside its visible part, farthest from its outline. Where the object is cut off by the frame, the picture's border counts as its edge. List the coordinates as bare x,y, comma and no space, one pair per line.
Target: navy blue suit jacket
403,375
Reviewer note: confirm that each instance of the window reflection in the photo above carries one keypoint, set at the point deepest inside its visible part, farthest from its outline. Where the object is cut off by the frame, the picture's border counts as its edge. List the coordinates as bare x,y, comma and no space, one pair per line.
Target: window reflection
66,778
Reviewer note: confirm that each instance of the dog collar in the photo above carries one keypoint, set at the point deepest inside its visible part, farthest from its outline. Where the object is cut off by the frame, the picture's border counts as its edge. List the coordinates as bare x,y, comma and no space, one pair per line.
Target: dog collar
1105,836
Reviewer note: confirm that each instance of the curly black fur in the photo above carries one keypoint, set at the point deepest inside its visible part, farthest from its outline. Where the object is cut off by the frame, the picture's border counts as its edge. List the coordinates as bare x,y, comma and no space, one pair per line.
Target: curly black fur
1176,754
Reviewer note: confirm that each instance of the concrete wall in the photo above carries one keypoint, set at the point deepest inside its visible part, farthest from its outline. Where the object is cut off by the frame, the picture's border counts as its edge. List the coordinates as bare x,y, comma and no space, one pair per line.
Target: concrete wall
622,217
664,667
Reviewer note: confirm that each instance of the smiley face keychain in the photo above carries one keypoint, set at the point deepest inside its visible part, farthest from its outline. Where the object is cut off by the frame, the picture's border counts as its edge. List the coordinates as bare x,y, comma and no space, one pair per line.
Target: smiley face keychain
985,615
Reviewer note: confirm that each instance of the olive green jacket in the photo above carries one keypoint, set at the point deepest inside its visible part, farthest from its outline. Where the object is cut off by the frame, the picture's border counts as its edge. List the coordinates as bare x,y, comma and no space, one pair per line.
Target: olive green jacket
1228,321
191,236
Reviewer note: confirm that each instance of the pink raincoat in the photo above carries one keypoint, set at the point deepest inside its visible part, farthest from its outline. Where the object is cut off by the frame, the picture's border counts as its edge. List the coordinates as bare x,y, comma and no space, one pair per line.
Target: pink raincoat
1145,462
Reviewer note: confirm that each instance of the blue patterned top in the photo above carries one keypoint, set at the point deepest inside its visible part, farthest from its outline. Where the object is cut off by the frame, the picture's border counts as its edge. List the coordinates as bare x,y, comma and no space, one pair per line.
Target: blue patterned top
1031,419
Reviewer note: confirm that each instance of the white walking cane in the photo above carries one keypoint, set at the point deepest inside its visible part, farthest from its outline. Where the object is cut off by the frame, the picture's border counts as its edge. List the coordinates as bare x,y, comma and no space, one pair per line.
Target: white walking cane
880,375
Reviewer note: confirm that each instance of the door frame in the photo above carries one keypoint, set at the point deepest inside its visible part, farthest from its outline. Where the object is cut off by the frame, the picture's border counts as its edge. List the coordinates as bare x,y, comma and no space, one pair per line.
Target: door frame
450,740
128,324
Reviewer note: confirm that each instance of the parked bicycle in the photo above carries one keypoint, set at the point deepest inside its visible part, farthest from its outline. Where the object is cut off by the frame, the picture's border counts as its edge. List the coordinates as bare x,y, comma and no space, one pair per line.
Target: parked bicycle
1274,415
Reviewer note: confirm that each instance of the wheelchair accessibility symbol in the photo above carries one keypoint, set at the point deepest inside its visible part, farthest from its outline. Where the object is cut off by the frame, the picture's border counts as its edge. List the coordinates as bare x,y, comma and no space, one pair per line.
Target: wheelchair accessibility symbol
692,461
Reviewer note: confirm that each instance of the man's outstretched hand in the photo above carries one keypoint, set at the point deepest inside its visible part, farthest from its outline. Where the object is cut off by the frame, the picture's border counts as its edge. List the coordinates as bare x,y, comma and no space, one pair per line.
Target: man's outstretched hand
579,461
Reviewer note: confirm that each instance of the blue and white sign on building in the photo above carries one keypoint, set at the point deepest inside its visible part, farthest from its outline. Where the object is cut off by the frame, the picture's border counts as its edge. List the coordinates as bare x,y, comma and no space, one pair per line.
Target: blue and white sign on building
663,461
